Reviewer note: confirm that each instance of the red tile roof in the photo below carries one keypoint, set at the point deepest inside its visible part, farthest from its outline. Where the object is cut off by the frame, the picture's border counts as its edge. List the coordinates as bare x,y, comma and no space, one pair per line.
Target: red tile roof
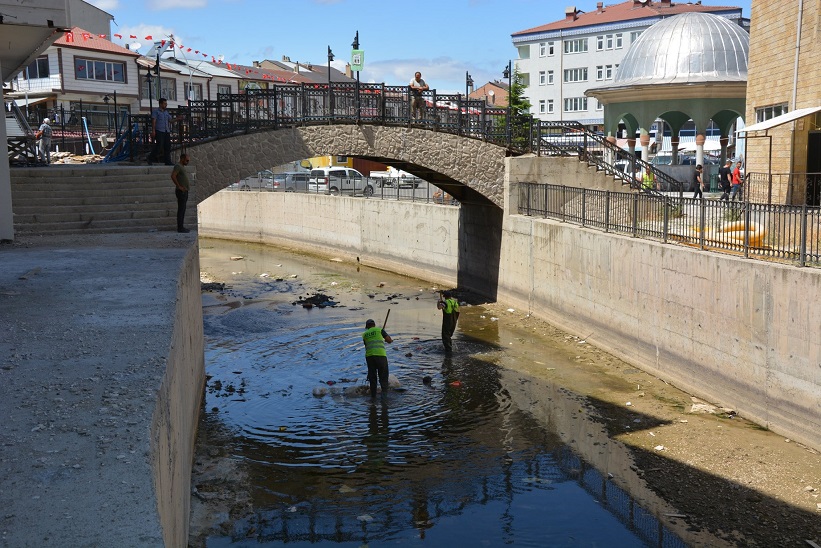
625,11
82,39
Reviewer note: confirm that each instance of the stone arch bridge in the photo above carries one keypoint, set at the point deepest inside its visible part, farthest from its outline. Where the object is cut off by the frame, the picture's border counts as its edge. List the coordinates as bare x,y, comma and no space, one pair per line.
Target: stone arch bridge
469,169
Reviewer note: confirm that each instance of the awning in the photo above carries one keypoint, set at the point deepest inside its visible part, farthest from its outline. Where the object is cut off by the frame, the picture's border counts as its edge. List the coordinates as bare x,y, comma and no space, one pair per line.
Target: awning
30,101
778,120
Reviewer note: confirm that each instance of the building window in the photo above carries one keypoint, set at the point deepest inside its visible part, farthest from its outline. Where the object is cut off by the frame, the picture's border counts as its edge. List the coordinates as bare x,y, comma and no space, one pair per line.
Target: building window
599,43
619,41
575,104
542,106
635,35
37,69
600,72
168,88
771,111
599,106
608,42
549,77
608,72
550,49
107,71
223,89
193,92
550,106
575,75
542,49
542,77
575,46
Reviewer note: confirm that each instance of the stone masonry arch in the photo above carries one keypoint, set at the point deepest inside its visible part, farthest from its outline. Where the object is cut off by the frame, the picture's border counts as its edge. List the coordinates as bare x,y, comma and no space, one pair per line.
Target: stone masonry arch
469,169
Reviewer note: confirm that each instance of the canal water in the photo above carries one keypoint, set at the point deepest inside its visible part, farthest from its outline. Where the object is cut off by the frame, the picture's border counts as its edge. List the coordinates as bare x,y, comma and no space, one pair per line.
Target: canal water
314,461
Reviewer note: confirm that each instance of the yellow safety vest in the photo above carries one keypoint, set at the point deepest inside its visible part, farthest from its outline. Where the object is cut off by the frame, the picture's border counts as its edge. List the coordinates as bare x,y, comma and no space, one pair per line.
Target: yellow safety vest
451,306
374,343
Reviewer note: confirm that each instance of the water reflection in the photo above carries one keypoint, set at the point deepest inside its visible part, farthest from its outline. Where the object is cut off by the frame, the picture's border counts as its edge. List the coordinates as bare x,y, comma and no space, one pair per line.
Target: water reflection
453,461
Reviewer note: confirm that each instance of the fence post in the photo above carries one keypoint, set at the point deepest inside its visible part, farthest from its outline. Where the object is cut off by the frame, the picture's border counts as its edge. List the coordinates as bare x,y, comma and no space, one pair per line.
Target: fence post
802,261
607,211
747,225
702,223
564,201
584,207
527,187
546,198
635,214
666,221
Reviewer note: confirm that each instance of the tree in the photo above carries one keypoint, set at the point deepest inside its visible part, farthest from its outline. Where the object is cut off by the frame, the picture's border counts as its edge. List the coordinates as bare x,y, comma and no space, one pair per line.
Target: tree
521,119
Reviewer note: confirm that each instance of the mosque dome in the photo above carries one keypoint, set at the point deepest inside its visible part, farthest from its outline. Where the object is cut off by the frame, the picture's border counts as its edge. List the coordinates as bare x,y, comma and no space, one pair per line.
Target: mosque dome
690,48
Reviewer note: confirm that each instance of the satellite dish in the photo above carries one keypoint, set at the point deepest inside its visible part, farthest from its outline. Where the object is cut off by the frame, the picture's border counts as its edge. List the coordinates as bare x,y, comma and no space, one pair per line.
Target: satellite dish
134,46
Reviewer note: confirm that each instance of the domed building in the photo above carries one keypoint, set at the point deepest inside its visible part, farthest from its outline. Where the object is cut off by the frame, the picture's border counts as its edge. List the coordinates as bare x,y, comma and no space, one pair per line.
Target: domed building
691,66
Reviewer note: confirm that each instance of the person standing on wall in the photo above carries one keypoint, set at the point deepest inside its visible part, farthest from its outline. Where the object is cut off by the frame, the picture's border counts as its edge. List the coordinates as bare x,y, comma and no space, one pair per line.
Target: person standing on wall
43,136
417,86
161,133
376,357
696,184
181,183
450,315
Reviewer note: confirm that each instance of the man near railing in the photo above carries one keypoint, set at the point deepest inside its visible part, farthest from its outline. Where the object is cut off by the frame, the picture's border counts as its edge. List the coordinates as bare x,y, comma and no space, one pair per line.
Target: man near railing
44,141
696,184
161,132
417,86
724,174
738,181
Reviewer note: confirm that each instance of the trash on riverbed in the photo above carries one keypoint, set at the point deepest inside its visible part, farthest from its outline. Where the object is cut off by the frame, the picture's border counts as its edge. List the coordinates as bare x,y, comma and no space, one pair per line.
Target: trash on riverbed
659,448
237,258
319,300
456,384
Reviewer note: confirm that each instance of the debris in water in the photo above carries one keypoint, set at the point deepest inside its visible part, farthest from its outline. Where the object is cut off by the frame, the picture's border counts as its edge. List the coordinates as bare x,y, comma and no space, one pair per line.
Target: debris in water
346,489
457,384
365,517
237,258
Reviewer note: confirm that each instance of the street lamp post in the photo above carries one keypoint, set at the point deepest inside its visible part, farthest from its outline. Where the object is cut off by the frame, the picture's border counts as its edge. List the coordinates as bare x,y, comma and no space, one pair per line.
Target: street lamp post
468,85
330,96
106,99
508,73
355,46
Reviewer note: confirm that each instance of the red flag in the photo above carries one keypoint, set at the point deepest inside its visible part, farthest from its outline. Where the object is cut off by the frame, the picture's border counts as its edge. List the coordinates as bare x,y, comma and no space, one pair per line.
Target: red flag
180,46
189,49
162,43
213,59
206,55
101,35
120,36
70,37
85,36
149,37
132,36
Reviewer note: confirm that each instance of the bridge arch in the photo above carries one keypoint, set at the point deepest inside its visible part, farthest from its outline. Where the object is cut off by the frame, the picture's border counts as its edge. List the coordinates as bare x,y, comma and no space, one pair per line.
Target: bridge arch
469,169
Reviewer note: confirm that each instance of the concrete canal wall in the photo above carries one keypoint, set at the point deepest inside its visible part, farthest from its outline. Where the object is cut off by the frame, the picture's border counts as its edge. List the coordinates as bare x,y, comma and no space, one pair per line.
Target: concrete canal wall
737,332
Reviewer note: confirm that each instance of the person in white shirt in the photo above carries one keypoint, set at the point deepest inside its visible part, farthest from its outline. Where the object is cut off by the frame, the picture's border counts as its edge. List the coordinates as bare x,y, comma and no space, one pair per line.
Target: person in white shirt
417,86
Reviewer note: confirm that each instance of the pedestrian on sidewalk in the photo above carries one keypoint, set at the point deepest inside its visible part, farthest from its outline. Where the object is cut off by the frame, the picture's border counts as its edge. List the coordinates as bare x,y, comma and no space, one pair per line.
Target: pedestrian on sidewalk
724,174
161,133
696,184
43,136
737,183
181,183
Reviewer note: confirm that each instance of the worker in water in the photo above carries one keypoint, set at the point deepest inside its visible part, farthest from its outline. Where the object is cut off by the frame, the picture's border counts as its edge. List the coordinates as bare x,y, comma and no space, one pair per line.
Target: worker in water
450,314
375,356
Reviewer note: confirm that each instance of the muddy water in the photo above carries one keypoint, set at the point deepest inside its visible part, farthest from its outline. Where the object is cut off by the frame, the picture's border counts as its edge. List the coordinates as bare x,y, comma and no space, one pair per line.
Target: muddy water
293,450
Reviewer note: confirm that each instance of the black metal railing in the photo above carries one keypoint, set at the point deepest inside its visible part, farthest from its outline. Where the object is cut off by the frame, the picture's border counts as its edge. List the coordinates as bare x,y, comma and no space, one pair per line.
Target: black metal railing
757,230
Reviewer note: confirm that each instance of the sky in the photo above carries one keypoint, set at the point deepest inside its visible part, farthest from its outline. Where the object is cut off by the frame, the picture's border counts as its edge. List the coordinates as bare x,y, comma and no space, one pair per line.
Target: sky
443,39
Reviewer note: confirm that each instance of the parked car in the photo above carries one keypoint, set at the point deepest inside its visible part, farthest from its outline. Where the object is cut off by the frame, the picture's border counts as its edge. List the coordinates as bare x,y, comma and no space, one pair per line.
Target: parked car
294,181
260,181
339,180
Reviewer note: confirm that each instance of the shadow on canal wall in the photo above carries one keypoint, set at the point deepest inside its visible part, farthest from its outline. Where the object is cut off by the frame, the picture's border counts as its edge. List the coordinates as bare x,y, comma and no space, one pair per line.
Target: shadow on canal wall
726,329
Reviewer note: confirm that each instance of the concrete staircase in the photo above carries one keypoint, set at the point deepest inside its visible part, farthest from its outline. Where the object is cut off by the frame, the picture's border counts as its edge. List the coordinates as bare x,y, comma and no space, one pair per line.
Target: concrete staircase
95,198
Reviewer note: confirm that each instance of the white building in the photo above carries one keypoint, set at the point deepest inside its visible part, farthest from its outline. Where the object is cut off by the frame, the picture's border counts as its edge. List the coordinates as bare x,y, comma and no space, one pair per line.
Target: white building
560,60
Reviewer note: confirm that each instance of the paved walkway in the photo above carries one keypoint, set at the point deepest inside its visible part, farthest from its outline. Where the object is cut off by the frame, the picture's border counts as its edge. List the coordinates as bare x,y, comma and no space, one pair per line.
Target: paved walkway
86,324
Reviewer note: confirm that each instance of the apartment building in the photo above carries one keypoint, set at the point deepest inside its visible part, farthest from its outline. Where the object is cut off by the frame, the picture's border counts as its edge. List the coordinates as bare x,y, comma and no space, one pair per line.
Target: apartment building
558,61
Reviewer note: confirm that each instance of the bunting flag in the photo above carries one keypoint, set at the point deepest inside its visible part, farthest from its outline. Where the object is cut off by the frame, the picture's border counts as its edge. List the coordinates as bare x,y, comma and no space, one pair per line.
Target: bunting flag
149,37
132,36
189,49
70,37
86,36
162,43
120,36
101,35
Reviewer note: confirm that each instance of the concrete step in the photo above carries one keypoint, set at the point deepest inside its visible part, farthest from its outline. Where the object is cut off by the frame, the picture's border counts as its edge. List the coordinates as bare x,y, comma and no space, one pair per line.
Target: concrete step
104,227
108,194
51,207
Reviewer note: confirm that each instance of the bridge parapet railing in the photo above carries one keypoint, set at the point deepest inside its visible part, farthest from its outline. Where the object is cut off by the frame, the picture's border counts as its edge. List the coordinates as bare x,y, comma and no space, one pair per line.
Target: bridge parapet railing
784,233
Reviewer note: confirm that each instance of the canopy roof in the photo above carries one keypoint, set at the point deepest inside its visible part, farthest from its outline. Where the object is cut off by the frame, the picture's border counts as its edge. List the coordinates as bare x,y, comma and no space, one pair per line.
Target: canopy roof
779,120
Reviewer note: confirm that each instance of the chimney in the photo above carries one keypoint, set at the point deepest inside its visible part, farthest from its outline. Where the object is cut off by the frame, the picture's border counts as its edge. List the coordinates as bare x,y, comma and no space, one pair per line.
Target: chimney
286,59
256,64
666,3
571,13
599,7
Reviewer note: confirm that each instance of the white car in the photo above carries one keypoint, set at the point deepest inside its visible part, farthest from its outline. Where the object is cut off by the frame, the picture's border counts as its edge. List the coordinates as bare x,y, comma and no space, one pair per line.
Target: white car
339,180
